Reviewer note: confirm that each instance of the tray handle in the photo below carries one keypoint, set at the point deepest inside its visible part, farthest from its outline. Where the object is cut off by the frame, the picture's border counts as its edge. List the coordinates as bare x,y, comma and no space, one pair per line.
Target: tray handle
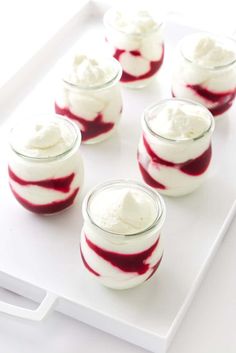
37,314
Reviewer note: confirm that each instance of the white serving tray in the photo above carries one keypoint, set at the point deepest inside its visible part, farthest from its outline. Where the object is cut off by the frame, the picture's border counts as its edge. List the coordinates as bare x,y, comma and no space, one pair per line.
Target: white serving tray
41,254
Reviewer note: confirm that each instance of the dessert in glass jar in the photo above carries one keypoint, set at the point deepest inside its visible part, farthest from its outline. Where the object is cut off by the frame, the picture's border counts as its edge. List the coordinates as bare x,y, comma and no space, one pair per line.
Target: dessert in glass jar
205,71
174,151
136,40
121,246
45,167
89,94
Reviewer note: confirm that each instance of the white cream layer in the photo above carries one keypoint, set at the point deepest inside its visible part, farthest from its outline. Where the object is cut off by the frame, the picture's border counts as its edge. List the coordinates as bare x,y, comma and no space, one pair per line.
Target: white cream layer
43,138
208,51
133,21
86,71
180,121
123,211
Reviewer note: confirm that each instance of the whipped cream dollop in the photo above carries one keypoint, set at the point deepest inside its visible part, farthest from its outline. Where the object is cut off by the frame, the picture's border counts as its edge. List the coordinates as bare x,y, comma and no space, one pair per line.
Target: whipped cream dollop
87,71
180,121
133,20
43,138
209,51
123,211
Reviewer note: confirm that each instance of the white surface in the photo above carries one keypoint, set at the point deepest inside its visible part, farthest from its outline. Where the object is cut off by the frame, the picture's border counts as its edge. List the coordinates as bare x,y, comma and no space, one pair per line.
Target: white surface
37,314
209,325
29,238
18,19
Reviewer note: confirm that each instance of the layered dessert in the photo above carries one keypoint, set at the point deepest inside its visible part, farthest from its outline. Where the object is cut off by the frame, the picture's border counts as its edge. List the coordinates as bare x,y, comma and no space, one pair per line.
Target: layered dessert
45,167
136,41
90,96
206,71
174,151
121,245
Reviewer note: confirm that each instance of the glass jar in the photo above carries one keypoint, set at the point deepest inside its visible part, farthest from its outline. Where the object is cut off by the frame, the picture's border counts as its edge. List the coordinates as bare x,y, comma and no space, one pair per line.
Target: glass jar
46,184
140,54
214,87
96,108
122,261
174,167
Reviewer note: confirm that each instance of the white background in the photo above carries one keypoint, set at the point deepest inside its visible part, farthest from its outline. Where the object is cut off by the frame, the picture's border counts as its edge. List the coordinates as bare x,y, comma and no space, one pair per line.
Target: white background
210,324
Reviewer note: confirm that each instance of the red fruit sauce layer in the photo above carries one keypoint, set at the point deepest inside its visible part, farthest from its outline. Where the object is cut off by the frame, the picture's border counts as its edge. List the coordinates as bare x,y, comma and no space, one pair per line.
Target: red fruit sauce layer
223,100
193,167
91,129
149,180
154,65
136,262
49,208
89,268
61,184
154,268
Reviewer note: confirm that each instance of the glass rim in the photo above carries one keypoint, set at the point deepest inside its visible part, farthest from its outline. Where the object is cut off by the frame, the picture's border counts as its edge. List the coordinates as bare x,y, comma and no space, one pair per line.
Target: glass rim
107,23
156,197
209,129
104,85
76,141
210,68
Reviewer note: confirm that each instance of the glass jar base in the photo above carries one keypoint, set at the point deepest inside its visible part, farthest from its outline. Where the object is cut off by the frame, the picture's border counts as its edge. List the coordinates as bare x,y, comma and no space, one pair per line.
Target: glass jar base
125,285
101,138
179,192
222,116
139,84
58,212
